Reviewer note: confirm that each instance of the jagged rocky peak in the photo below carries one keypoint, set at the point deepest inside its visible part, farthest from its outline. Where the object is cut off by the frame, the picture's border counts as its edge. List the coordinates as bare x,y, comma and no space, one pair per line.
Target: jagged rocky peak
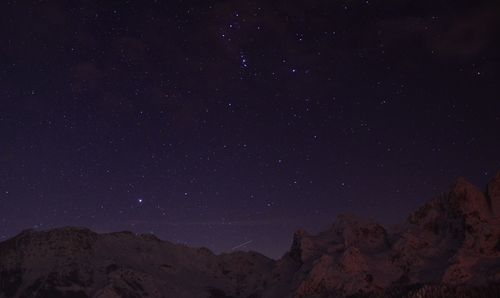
493,193
361,233
348,231
302,246
462,201
469,199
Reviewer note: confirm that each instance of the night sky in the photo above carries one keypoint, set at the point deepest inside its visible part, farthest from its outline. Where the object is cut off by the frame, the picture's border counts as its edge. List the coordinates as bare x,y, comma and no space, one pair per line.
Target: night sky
220,123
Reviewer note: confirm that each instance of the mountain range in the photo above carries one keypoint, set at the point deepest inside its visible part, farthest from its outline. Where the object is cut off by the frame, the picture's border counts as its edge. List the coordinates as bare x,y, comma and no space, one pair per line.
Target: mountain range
450,247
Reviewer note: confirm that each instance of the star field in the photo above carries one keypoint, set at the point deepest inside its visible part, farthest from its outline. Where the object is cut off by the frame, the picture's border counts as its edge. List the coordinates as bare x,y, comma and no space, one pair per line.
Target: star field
220,123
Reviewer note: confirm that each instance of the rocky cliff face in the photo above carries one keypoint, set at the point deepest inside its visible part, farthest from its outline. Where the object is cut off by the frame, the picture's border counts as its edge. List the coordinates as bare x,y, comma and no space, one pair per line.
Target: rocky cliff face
493,195
452,242
449,247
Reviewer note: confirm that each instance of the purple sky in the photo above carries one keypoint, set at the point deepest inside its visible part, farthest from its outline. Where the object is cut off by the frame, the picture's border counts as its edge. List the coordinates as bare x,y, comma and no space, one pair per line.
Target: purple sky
215,123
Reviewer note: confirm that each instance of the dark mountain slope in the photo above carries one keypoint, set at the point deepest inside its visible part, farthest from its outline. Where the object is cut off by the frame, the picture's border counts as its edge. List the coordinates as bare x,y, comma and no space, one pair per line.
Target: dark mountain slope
450,247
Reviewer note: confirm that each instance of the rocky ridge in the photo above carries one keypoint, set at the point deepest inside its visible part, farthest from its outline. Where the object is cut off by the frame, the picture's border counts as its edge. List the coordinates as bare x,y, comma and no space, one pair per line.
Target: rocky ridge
448,247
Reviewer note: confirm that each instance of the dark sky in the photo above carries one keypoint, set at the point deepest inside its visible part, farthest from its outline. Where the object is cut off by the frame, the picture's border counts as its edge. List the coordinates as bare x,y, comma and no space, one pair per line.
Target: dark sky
217,123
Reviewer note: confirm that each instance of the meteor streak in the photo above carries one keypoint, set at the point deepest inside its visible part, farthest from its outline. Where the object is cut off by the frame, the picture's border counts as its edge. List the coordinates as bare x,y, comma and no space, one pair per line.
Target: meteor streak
242,244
